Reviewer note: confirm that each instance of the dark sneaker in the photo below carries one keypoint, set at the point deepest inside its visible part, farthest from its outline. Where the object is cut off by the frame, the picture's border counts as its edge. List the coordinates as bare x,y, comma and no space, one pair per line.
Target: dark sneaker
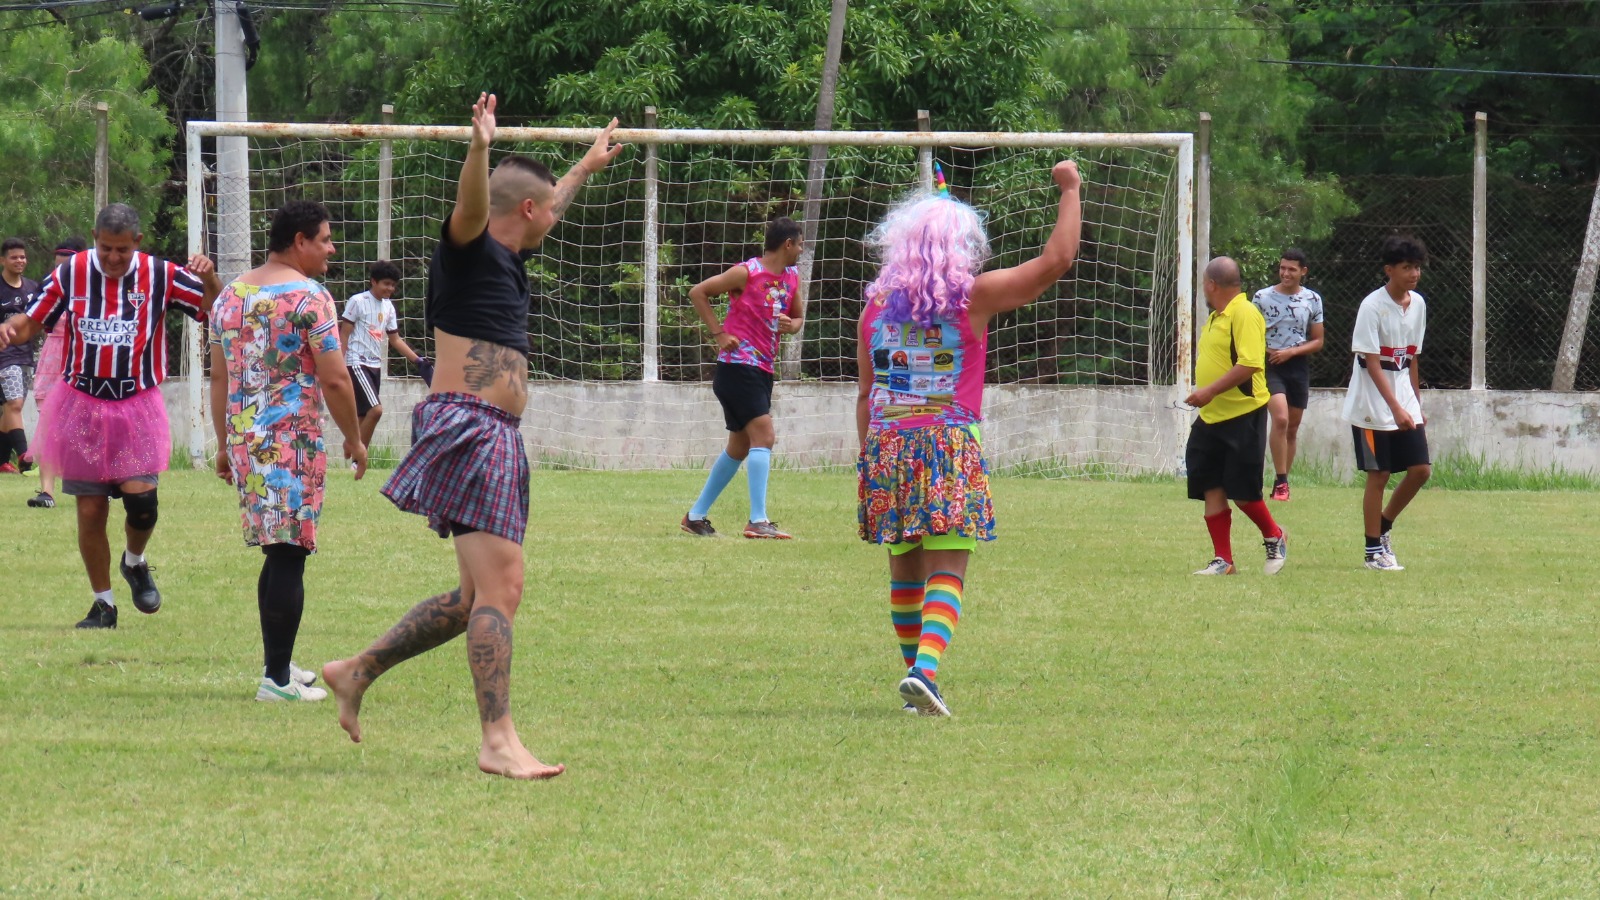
700,527
919,690
25,462
42,500
765,531
146,598
100,616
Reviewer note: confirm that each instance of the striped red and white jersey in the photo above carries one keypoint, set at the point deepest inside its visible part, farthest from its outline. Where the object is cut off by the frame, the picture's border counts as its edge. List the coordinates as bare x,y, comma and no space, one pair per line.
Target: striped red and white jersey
116,328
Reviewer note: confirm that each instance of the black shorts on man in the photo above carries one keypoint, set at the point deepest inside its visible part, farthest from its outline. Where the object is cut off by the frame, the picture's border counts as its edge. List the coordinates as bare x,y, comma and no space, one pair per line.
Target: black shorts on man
1292,379
745,393
1390,451
1229,454
368,382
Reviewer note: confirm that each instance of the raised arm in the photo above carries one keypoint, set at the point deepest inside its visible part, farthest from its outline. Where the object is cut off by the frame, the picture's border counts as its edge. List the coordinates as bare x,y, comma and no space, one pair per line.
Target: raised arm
1003,290
700,295
471,214
598,155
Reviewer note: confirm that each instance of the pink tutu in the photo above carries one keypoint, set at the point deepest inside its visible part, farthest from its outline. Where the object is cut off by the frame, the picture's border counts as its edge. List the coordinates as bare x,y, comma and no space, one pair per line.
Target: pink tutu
52,358
105,441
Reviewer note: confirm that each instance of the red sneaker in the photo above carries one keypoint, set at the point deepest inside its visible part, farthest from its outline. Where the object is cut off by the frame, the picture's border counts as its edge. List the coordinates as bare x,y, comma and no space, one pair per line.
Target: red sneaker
8,469
1281,491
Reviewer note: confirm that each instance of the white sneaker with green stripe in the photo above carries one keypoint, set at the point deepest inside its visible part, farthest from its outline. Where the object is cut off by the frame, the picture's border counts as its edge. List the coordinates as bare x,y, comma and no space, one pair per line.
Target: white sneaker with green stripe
268,692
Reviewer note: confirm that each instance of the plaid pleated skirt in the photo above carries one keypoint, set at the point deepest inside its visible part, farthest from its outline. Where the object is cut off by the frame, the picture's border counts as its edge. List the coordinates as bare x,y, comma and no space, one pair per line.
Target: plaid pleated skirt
467,466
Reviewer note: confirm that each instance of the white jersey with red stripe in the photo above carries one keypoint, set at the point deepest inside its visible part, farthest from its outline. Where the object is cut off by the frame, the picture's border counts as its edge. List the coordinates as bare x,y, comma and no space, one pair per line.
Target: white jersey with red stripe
116,328
1395,335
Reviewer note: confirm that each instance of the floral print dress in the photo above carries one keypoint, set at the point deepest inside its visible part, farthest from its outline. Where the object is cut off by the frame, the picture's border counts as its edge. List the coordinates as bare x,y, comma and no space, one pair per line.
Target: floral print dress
269,337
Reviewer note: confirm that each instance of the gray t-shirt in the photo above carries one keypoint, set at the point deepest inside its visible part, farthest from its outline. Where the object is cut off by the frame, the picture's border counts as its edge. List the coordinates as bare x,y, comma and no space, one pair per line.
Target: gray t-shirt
1289,318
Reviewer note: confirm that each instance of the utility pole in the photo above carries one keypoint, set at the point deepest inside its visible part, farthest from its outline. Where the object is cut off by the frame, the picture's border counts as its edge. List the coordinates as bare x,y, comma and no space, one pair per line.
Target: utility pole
789,364
233,153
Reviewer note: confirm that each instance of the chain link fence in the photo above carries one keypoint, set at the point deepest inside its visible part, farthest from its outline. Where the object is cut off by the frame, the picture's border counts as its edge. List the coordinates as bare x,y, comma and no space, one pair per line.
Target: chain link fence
1535,236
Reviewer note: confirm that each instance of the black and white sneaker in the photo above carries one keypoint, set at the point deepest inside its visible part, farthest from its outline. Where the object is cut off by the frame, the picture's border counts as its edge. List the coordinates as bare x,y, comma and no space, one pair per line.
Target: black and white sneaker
146,598
101,615
42,500
697,527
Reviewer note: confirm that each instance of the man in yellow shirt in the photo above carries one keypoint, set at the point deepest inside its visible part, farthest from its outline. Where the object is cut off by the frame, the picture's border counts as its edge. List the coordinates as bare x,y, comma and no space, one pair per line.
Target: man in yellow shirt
1227,447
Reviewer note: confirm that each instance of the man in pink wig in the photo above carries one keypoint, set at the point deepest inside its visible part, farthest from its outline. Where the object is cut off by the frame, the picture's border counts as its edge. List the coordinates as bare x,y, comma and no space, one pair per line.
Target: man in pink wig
923,483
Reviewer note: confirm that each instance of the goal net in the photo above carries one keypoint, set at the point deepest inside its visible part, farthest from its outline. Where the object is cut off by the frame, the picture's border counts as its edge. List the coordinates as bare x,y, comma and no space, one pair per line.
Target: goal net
1079,382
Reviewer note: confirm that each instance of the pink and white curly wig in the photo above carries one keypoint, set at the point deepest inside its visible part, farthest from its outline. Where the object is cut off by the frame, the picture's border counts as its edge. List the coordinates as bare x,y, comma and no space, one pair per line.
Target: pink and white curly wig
932,247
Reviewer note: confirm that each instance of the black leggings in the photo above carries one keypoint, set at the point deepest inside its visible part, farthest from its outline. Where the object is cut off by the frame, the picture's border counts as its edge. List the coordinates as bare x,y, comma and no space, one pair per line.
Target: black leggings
281,598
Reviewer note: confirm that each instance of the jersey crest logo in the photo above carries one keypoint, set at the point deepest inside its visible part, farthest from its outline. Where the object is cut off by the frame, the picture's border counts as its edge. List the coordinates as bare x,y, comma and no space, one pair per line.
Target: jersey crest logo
137,298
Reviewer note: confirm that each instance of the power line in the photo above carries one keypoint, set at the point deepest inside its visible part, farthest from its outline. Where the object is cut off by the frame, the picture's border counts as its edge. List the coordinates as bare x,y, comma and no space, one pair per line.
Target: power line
1339,65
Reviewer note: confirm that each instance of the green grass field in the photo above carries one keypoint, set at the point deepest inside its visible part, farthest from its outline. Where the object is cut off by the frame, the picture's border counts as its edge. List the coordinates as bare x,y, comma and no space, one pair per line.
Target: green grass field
728,715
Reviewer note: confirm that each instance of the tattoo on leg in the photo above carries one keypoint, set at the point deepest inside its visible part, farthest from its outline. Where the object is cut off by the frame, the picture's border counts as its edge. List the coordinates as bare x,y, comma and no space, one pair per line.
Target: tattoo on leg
489,653
434,621
489,364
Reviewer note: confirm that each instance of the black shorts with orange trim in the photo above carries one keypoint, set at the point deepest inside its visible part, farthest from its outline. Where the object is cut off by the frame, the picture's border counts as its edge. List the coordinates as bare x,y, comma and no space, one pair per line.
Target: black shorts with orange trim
1390,451
1230,454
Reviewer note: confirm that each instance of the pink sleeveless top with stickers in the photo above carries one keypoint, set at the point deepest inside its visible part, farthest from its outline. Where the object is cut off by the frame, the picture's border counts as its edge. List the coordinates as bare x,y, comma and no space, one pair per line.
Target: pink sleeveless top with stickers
924,375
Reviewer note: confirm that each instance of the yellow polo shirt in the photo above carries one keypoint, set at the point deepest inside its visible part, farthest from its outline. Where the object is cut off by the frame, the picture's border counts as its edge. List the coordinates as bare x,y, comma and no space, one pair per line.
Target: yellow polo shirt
1237,335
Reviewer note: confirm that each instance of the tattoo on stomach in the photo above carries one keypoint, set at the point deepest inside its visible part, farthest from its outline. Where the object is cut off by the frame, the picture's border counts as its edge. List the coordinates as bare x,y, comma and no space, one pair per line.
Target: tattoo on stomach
491,364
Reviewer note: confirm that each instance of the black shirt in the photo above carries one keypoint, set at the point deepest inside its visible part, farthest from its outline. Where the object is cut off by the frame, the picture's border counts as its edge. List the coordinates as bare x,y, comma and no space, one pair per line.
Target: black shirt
14,300
478,291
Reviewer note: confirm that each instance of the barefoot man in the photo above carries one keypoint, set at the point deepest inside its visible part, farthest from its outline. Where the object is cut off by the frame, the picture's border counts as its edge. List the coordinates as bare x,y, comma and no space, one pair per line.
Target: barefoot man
467,469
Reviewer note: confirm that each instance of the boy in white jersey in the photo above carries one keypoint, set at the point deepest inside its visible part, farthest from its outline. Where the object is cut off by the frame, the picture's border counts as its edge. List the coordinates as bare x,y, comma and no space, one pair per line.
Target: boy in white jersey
370,323
1383,405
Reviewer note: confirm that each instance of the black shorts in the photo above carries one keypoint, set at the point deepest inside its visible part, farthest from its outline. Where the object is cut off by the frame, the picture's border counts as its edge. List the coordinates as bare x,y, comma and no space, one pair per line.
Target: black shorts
1229,454
745,393
368,381
1292,379
1390,451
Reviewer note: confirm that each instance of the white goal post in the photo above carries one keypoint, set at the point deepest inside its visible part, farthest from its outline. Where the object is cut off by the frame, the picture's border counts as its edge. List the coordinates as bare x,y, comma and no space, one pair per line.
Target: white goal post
1082,381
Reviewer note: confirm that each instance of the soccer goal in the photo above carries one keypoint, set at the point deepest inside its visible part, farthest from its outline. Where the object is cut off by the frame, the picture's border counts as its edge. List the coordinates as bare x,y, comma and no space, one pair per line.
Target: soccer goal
1082,381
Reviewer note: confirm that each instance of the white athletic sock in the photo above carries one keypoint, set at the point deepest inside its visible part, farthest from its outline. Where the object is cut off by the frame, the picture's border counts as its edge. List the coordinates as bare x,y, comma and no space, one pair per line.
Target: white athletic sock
131,559
106,598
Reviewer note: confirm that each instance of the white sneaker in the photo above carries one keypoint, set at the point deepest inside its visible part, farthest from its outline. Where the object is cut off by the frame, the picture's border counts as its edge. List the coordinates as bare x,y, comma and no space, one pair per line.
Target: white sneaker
1217,566
1388,549
1383,562
268,692
1277,552
297,675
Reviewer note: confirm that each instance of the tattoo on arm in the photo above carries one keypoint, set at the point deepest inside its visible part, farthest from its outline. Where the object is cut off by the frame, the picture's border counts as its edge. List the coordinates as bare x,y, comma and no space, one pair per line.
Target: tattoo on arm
432,622
489,363
489,654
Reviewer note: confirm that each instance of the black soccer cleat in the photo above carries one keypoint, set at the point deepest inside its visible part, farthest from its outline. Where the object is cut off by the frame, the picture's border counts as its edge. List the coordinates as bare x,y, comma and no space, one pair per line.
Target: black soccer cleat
146,598
100,615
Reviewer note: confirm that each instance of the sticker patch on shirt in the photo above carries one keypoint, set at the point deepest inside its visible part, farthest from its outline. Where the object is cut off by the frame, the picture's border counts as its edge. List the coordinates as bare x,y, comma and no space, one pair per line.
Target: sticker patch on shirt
108,332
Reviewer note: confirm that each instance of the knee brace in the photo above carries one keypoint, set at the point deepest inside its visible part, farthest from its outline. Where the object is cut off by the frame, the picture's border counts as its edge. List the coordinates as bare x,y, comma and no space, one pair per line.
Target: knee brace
141,510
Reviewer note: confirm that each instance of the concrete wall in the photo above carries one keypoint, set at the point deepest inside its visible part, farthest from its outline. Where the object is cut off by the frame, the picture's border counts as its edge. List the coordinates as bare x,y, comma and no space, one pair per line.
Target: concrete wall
636,425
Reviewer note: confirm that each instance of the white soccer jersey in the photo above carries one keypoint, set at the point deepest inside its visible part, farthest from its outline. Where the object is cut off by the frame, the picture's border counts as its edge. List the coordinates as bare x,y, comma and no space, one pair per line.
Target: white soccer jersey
1395,334
374,321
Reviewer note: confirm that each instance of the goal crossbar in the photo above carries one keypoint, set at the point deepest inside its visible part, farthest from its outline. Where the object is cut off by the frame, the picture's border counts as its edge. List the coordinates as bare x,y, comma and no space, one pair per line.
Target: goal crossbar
1043,139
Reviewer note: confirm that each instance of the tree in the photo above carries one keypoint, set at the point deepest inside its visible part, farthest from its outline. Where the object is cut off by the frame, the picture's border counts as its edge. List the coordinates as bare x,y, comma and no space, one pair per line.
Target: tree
49,84
1154,65
722,63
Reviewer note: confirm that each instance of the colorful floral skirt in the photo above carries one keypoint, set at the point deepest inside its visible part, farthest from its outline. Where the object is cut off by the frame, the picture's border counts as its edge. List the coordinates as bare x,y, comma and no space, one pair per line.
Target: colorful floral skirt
917,482
281,477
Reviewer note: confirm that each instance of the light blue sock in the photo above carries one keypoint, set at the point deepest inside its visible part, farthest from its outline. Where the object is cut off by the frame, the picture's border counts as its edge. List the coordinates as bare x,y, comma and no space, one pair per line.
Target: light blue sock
760,468
722,472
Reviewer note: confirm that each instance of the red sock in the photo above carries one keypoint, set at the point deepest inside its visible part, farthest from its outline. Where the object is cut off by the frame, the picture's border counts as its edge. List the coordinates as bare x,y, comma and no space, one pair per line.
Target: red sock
1257,511
1221,528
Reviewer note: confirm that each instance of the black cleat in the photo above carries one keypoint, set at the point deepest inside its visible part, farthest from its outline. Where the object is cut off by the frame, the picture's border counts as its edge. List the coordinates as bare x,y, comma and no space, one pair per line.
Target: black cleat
698,527
100,616
42,500
146,598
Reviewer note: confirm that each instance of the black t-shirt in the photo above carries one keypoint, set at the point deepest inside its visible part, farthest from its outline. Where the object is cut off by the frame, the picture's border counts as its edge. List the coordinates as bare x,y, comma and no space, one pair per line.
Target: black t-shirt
14,300
478,291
